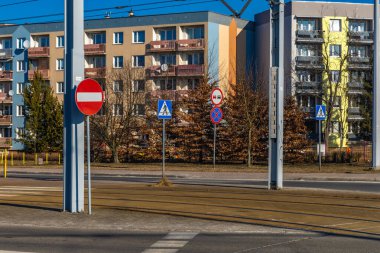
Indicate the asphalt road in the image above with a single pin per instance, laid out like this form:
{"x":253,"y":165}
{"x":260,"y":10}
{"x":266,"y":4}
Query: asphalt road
{"x":49,"y":240}
{"x":373,"y":187}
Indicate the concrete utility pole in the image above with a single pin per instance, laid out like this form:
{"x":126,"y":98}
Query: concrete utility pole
{"x":73,"y":200}
{"x":376,"y":93}
{"x":276,"y":95}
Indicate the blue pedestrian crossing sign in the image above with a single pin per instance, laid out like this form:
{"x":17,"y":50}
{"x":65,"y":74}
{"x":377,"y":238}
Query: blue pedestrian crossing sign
{"x":164,"y":109}
{"x":320,"y":112}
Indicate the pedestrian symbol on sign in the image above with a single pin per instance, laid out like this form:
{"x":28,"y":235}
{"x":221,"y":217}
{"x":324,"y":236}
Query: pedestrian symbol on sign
{"x":164,"y":109}
{"x":320,"y":112}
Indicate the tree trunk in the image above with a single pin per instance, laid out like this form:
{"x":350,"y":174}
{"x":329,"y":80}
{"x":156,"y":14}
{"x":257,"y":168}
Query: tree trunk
{"x":249,"y":147}
{"x":326,"y":138}
{"x":115,"y":155}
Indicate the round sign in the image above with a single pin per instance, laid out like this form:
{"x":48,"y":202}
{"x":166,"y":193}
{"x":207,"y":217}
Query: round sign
{"x":216,"y":96}
{"x":89,"y":97}
{"x":216,"y":115}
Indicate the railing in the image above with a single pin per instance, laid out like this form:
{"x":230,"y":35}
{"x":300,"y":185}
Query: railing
{"x":161,"y":46}
{"x":192,"y":44}
{"x":6,"y":75}
{"x":169,"y":94}
{"x":5,"y":120}
{"x":360,"y":37}
{"x":155,"y":71}
{"x":95,"y":72}
{"x":309,"y":36}
{"x":5,"y":142}
{"x":355,"y":85}
{"x":44,"y":73}
{"x":190,"y":70}
{"x":94,"y":49}
{"x":356,"y":62}
{"x":309,"y":111}
{"x":353,"y":110}
{"x":308,"y":87}
{"x":38,"y":52}
{"x":6,"y":53}
{"x":5,"y":98}
{"x":310,"y":62}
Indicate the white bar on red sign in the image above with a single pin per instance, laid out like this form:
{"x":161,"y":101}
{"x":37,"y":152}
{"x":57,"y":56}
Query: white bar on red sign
{"x":89,"y":97}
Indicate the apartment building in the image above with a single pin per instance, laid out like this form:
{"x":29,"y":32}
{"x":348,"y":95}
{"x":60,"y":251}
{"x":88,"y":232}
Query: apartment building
{"x":189,"y":45}
{"x":329,"y":52}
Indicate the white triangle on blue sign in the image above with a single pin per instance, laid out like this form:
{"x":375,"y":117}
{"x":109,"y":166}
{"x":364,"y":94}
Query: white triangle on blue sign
{"x":321,"y":113}
{"x":164,"y":111}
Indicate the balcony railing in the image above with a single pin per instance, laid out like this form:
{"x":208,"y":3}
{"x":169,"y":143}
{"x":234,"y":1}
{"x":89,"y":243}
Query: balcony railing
{"x":94,"y":49}
{"x":310,"y":62}
{"x":309,"y":111}
{"x":95,"y":72}
{"x":360,"y":37}
{"x":6,"y":75}
{"x":189,"y":45}
{"x":355,"y":85}
{"x":312,"y":36}
{"x":308,"y":87}
{"x":5,"y":98}
{"x":169,"y":94}
{"x":36,"y":52}
{"x":155,"y":71}
{"x":5,"y":142}
{"x":44,"y":73}
{"x":5,"y":120}
{"x":161,"y":46}
{"x":190,"y":70}
{"x":353,"y":110}
{"x":356,"y":62}
{"x":5,"y":53}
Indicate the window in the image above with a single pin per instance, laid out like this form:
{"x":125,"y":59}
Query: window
{"x":5,"y":66}
{"x":358,"y":51}
{"x":117,"y":110}
{"x":20,"y":88}
{"x":335,"y":25}
{"x":353,"y":101}
{"x":335,"y":127}
{"x":306,"y":24}
{"x":138,"y":85}
{"x":167,"y":34}
{"x":138,"y":61}
{"x":138,"y":37}
{"x":337,"y":102}
{"x":168,"y":59}
{"x":335,"y":76}
{"x":20,"y":43}
{"x":194,"y":33}
{"x":43,"y":41}
{"x":60,"y":64}
{"x":192,"y":84}
{"x":307,"y":50}
{"x":20,"y":110}
{"x":6,"y":43}
{"x":357,"y":26}
{"x":353,"y":127}
{"x":20,"y":66}
{"x":60,"y":41}
{"x":20,"y":132}
{"x":335,"y":50}
{"x":118,"y":86}
{"x":166,"y":84}
{"x":118,"y":62}
{"x":99,"y":38}
{"x":139,"y":109}
{"x":118,"y":38}
{"x":196,"y":58}
{"x":60,"y":87}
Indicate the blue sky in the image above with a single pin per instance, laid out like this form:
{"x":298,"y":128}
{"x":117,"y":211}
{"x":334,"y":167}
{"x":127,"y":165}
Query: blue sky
{"x":25,"y":12}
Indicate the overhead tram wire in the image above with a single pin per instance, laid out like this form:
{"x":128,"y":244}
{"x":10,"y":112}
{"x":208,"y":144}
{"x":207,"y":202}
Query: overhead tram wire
{"x":86,"y":11}
{"x":17,"y":3}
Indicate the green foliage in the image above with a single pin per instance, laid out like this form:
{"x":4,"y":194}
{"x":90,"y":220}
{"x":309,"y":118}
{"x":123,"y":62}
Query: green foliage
{"x":43,"y":118}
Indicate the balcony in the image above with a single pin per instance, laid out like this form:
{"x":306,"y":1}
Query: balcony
{"x":5,"y":120}
{"x":94,"y":49}
{"x":95,"y":72}
{"x":312,"y":36}
{"x":6,"y":54}
{"x":169,"y":94}
{"x":364,"y":38}
{"x":190,"y":45}
{"x":44,"y":73}
{"x":310,"y":62}
{"x":38,"y":52}
{"x":308,"y":87}
{"x":155,"y":71}
{"x":6,"y":75}
{"x":5,"y":142}
{"x":356,"y":62}
{"x":190,"y":70}
{"x":161,"y":46}
{"x":5,"y":98}
{"x":354,"y":114}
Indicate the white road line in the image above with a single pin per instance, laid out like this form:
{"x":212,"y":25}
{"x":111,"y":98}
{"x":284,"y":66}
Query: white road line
{"x":169,"y":244}
{"x":7,"y":251}
{"x":159,"y":251}
{"x":180,"y":236}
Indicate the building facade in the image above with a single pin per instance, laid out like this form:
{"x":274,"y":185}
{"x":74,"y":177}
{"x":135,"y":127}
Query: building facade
{"x":328,"y":60}
{"x":189,"y":45}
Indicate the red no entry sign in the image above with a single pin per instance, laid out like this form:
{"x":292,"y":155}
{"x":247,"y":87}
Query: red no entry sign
{"x":89,"y":97}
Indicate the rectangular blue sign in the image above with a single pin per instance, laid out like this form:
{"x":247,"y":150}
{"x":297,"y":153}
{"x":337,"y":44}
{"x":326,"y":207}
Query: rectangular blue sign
{"x":164,"y":109}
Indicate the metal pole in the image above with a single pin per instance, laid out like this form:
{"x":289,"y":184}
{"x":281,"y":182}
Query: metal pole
{"x":163,"y":148}
{"x":88,"y":166}
{"x":319,"y":151}
{"x":73,"y":119}
{"x":376,"y":92}
{"x":214,"y":159}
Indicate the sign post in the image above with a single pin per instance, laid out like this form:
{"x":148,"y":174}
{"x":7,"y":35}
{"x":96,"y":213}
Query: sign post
{"x":164,"y":111}
{"x":89,"y":98}
{"x":320,"y":114}
{"x":216,"y":114}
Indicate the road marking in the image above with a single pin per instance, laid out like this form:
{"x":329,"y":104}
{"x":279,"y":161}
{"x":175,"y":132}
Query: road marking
{"x":169,"y":244}
{"x":7,"y":251}
{"x":180,"y":236}
{"x":159,"y":251}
